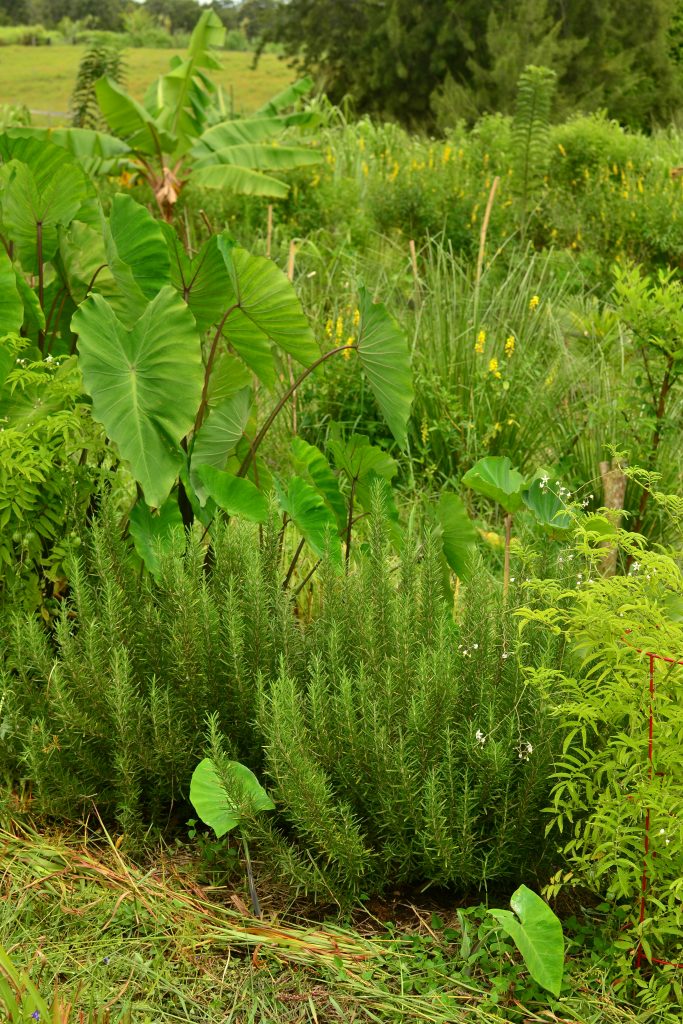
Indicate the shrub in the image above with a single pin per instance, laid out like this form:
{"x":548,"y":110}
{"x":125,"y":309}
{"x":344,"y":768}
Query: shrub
{"x":402,"y":744}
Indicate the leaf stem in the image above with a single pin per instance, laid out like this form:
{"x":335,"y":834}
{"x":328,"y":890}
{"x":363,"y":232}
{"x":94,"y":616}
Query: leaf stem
{"x":281,"y":403}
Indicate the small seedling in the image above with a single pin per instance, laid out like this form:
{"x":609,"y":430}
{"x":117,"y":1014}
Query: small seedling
{"x":224,"y":800}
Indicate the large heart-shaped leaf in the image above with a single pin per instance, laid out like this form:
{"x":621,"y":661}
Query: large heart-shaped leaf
{"x":537,"y":933}
{"x":156,"y":533}
{"x":311,"y":461}
{"x":384,"y":356}
{"x":41,"y":188}
{"x":223,"y":427}
{"x":219,"y":803}
{"x":137,"y":255}
{"x":457,"y":533}
{"x":495,"y":478}
{"x":234,"y":494}
{"x":311,"y":516}
{"x":264,"y":296}
{"x":358,"y":458}
{"x":11,"y":305}
{"x":145,"y":383}
{"x":549,"y":510}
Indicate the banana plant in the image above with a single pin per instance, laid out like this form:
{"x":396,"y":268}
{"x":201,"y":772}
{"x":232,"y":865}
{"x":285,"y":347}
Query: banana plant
{"x":182,"y":128}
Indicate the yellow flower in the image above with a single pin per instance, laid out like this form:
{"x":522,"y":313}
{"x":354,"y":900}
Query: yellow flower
{"x":315,"y":180}
{"x":446,"y":154}
{"x":509,"y":345}
{"x":364,"y":168}
{"x":393,"y":175}
{"x":350,"y":342}
{"x":329,"y":326}
{"x":339,"y":328}
{"x":533,"y":302}
{"x":424,"y":431}
{"x":561,"y":148}
{"x":481,"y":341}
{"x":493,"y":368}
{"x":356,"y":317}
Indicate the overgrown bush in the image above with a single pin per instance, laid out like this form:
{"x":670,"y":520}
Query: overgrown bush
{"x":402,"y":741}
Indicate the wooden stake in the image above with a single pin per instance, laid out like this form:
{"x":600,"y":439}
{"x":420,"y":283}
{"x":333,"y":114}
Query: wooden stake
{"x":482,"y":242}
{"x":413,"y":261}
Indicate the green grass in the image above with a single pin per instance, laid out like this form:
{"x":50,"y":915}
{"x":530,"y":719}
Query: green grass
{"x":42,"y":77}
{"x":148,"y":946}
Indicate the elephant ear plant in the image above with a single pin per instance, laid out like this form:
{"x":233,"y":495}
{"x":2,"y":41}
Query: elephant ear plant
{"x":496,"y":478}
{"x":226,"y":794}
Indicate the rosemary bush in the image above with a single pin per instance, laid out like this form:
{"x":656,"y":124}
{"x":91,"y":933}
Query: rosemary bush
{"x":399,"y":736}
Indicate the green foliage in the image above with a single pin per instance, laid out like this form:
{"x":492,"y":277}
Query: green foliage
{"x":97,"y":61}
{"x":537,"y":933}
{"x":430,"y":754}
{"x":606,"y":792}
{"x":464,"y":58}
{"x":530,"y":133}
{"x":219,"y":799}
{"x":51,"y":459}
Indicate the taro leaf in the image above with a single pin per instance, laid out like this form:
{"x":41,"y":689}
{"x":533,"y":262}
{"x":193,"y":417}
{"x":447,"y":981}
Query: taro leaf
{"x":33,"y":311}
{"x":39,"y":186}
{"x":234,"y":494}
{"x":311,"y":461}
{"x":384,"y":356}
{"x":156,"y":533}
{"x":203,"y":282}
{"x":550,"y":511}
{"x":220,"y":432}
{"x":219,"y":807}
{"x":129,"y":120}
{"x":311,"y":516}
{"x":457,"y":532}
{"x":357,"y":457}
{"x":537,"y":933}
{"x":145,"y":383}
{"x":495,"y":478}
{"x":7,"y":360}
{"x":228,"y":376}
{"x":11,"y":305}
{"x":268,"y":300}
{"x":137,"y":255}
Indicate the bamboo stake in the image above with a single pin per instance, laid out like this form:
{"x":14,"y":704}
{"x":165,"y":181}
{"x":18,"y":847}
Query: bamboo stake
{"x":482,"y":242}
{"x":413,"y":262}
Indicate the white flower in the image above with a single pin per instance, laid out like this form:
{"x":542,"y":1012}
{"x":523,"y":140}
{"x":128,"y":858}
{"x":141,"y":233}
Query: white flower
{"x":635,"y":567}
{"x":475,"y":647}
{"x":480,"y":737}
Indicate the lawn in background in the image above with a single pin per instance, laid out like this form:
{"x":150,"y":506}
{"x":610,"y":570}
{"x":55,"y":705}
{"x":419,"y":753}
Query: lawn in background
{"x":42,"y":77}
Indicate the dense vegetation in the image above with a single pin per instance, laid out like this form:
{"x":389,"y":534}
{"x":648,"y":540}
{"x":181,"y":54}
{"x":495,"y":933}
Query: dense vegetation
{"x":340,"y":514}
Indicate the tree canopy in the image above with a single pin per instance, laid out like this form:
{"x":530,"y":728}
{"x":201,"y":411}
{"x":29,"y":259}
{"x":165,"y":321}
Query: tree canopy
{"x":409,"y":59}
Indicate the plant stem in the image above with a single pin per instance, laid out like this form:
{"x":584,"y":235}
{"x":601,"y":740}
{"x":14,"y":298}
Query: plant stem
{"x":246,"y":462}
{"x":209,"y":366}
{"x":256,"y":906}
{"x":292,"y":564}
{"x":506,"y":564}
{"x":41,"y":277}
{"x":349,"y":523}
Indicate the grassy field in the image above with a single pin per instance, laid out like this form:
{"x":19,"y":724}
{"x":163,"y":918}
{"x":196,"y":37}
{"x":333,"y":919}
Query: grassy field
{"x":42,"y":78}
